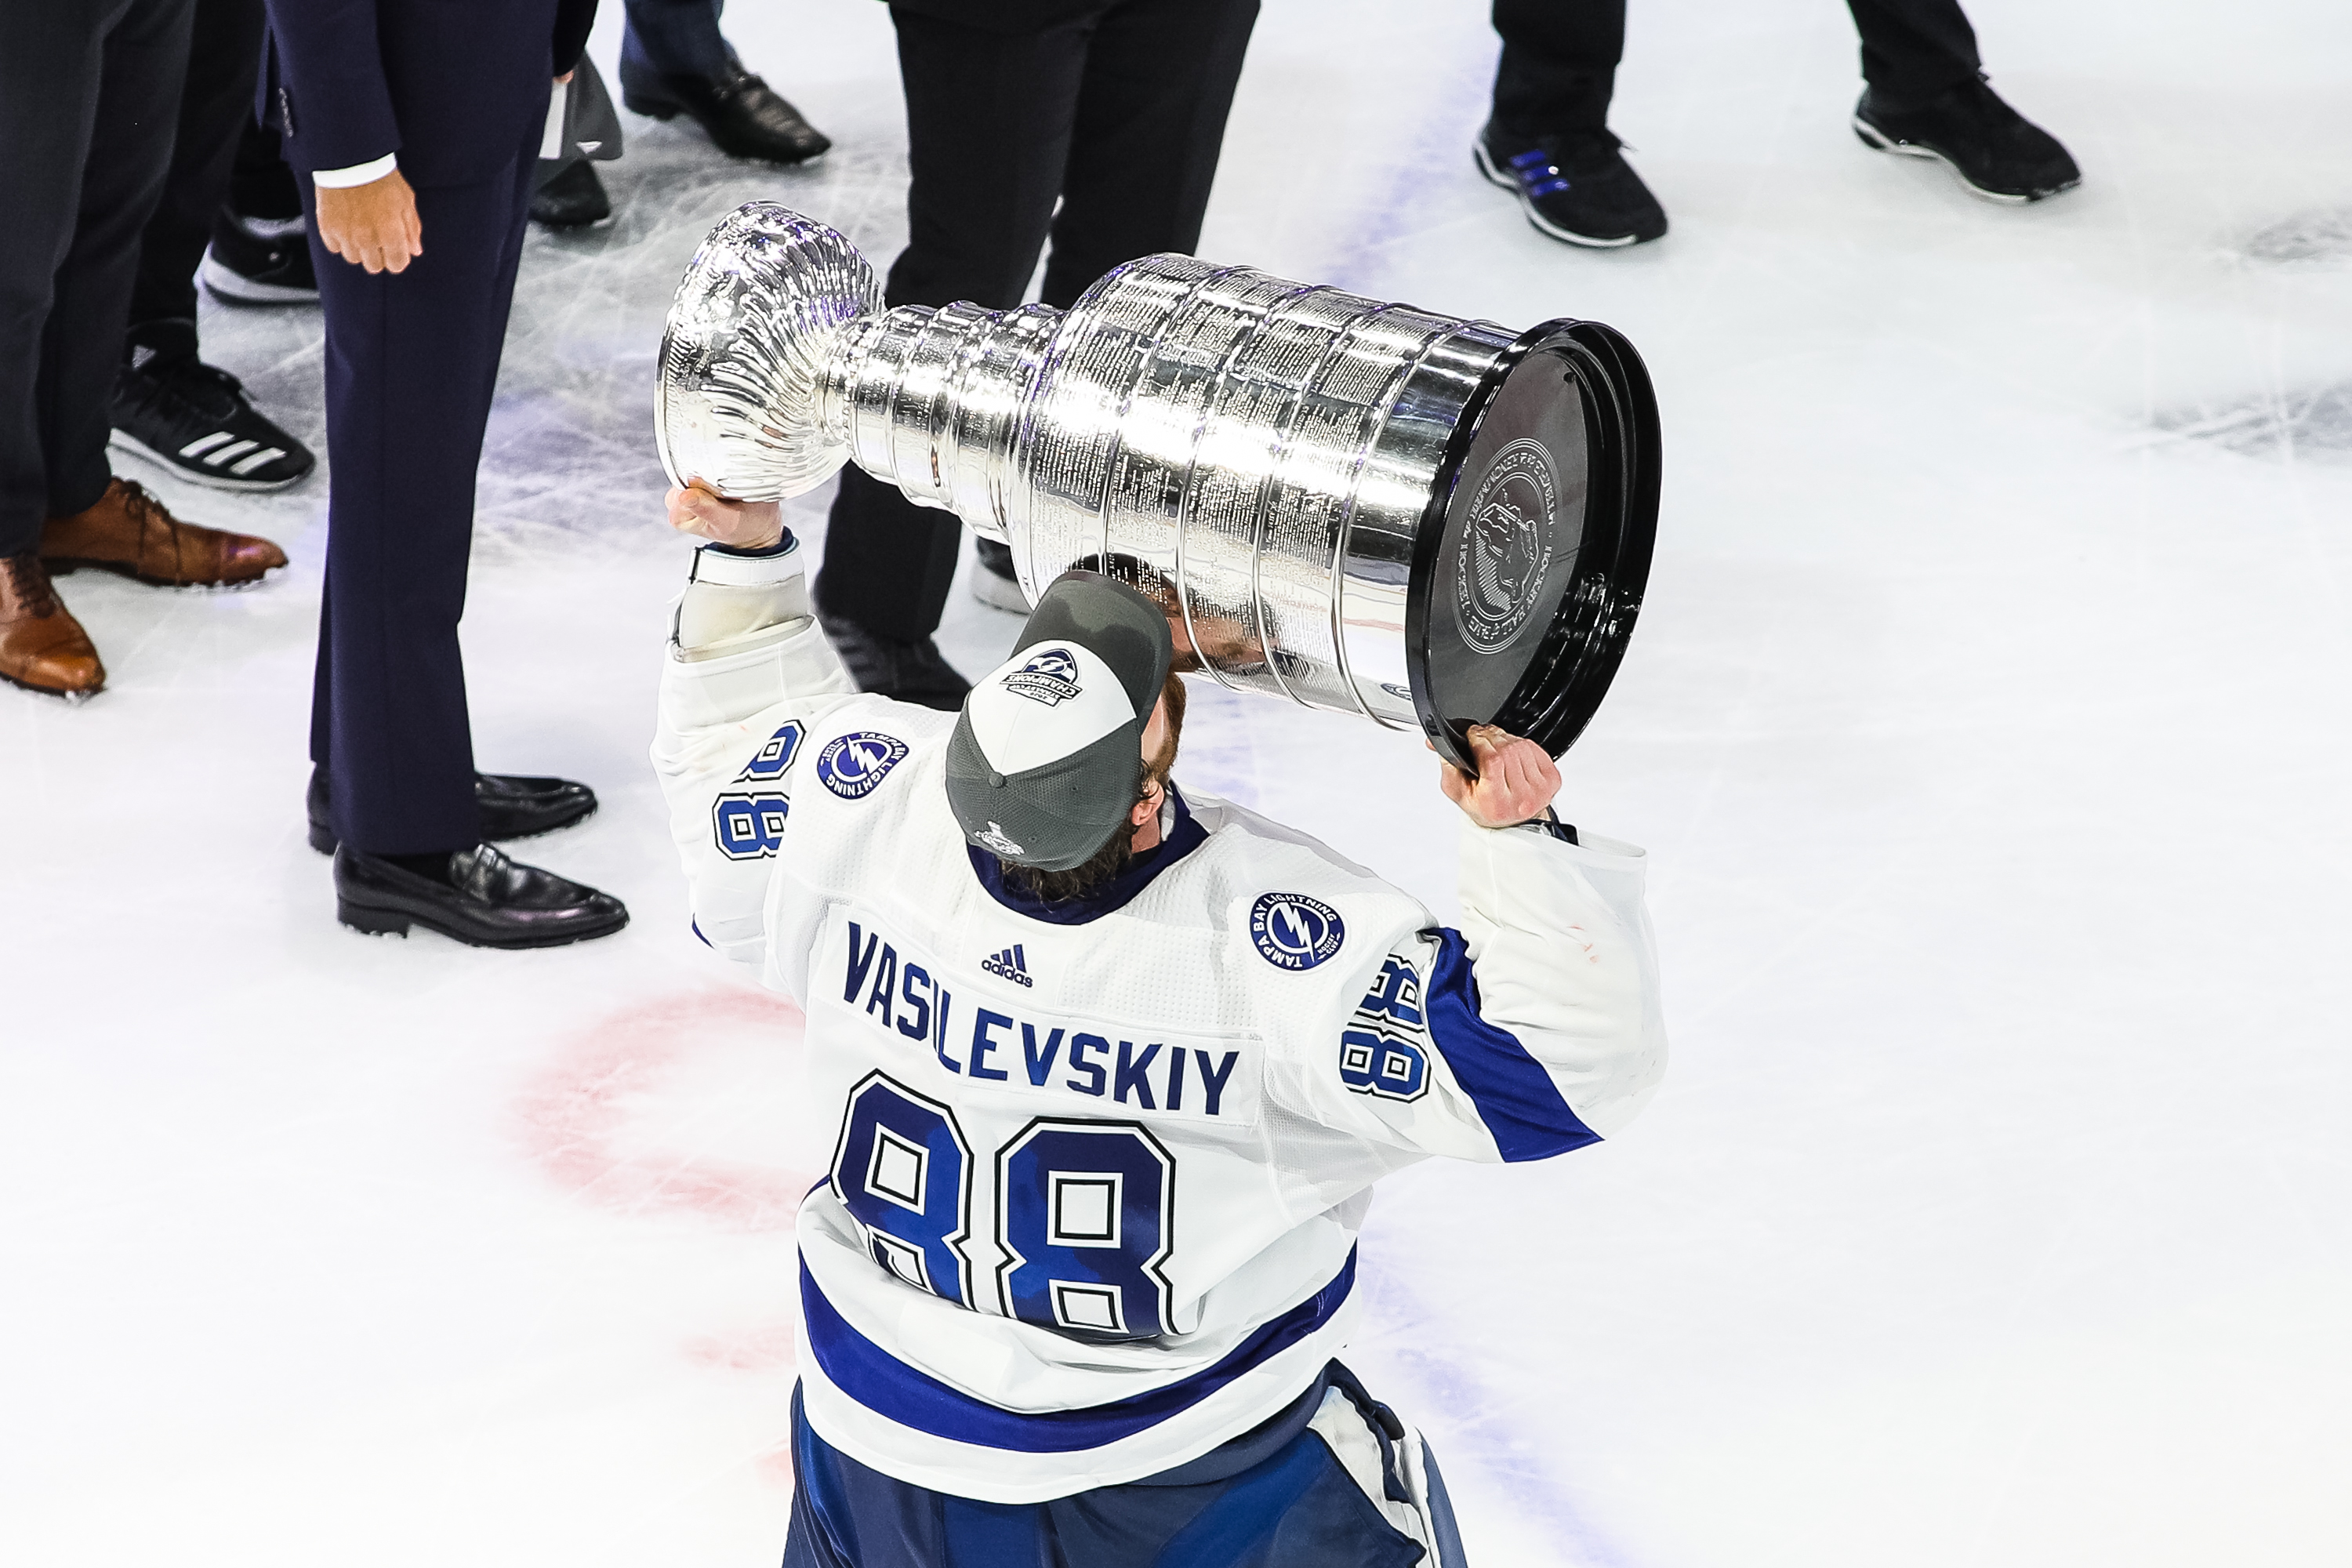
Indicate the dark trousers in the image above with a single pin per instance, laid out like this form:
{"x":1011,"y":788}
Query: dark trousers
{"x":412,"y":361}
{"x":673,"y":35}
{"x":90,"y":94}
{"x":224,"y":57}
{"x":1560,"y":58}
{"x":260,"y":185}
{"x":1117,"y":115}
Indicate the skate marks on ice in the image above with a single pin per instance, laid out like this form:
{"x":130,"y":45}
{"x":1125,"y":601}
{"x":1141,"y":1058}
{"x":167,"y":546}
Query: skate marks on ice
{"x":2284,"y":426}
{"x":2280,"y":422}
{"x":677,"y":1108}
{"x":2322,"y":237}
{"x":570,"y":444}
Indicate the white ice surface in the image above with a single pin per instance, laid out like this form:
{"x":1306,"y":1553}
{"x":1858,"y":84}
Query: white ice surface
{"x":1987,"y":725}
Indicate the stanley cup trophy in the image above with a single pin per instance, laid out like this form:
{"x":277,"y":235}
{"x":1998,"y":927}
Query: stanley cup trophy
{"x":1431,"y":522}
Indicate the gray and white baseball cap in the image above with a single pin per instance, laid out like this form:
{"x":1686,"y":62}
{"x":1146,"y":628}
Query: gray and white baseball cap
{"x":1047,"y":753}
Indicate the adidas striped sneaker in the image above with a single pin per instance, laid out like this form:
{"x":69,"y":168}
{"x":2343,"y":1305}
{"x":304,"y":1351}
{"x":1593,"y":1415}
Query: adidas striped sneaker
{"x":190,"y":419}
{"x":1575,"y":188}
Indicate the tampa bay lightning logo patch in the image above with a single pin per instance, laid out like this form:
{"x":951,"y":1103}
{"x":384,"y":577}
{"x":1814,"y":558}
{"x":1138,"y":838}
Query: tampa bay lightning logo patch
{"x":854,"y":764}
{"x":1050,"y":676}
{"x":1294,"y":931}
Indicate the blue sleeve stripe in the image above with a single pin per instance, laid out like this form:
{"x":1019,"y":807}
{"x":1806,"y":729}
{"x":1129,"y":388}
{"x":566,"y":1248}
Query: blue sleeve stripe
{"x":1515,"y":1096}
{"x":890,"y":1388}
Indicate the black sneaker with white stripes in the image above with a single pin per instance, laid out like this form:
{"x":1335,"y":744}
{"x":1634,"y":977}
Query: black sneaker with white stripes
{"x":193,"y":420}
{"x":1575,"y":186}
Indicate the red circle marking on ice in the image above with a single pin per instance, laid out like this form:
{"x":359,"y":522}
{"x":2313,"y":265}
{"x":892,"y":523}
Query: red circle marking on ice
{"x":572,"y":1113}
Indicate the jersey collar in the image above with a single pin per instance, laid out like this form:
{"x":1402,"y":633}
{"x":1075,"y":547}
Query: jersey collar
{"x":1175,"y":843}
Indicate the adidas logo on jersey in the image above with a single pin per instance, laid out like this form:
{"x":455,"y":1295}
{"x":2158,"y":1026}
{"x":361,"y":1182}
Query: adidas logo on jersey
{"x":1010,"y":965}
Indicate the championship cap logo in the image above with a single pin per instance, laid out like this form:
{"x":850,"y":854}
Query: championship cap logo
{"x":1504,"y":554}
{"x":1294,"y":931}
{"x":1050,"y":676}
{"x":852,"y":765}
{"x":995,"y":839}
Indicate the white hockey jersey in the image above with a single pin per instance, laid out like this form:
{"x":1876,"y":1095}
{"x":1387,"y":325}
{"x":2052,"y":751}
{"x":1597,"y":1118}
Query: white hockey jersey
{"x":1099,"y":1171}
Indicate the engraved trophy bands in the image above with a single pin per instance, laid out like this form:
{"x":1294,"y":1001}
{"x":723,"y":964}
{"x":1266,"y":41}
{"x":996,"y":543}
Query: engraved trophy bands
{"x":1359,"y":505}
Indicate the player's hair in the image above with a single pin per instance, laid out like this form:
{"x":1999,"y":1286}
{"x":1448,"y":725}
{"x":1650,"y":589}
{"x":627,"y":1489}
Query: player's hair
{"x":1099,"y":869}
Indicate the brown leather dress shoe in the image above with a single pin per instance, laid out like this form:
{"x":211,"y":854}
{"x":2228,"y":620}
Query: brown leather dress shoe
{"x":42,"y":646}
{"x":129,"y":531}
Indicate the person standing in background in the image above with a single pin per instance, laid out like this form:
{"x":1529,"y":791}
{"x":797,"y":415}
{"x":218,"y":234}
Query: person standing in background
{"x":565,"y":192}
{"x":90,"y":95}
{"x":189,"y":418}
{"x":416,"y":126}
{"x":1113,"y":109}
{"x":1549,"y":140}
{"x":674,"y":61}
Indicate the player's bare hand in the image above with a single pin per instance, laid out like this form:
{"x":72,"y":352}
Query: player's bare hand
{"x":373,"y":226}
{"x":738,"y":524}
{"x":1517,"y":779}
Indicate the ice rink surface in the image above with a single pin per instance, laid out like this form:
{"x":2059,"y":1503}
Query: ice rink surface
{"x":1987,"y":726}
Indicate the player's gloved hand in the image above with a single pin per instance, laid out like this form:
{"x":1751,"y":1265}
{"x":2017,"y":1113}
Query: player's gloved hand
{"x":1517,"y":779}
{"x":738,"y":524}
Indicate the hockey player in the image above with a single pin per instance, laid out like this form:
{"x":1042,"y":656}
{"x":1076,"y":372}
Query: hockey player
{"x":1112,"y":1070}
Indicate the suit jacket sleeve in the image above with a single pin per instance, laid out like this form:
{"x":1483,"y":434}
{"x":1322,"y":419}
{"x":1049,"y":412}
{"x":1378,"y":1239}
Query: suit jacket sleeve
{"x":334,"y":103}
{"x":574,"y":18}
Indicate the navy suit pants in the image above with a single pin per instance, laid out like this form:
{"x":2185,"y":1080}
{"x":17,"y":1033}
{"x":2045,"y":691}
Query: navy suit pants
{"x":412,"y":361}
{"x":674,"y":35}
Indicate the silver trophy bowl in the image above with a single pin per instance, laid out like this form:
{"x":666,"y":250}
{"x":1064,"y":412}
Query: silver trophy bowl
{"x":1359,"y":506}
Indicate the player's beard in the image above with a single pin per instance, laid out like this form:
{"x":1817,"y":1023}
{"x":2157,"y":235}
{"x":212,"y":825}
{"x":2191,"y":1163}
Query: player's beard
{"x":1101,"y":869}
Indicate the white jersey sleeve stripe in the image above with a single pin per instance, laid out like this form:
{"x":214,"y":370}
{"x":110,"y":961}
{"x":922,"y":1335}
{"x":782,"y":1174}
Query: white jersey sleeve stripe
{"x":890,"y":1388}
{"x":1515,"y":1097}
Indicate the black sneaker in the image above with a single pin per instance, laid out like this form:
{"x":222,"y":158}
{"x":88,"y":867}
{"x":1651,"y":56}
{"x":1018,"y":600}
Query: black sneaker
{"x":1996,"y":152}
{"x":1575,"y":186}
{"x":260,"y":261}
{"x":191,"y":419}
{"x":910,"y":671}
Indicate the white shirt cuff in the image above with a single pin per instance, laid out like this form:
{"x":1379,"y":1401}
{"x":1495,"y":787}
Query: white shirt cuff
{"x":357,"y":175}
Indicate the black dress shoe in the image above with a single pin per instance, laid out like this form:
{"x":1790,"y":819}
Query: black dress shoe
{"x":573,"y":198}
{"x":910,"y":671}
{"x":512,"y":806}
{"x":476,"y":896}
{"x":744,"y":115}
{"x":1996,"y":152}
